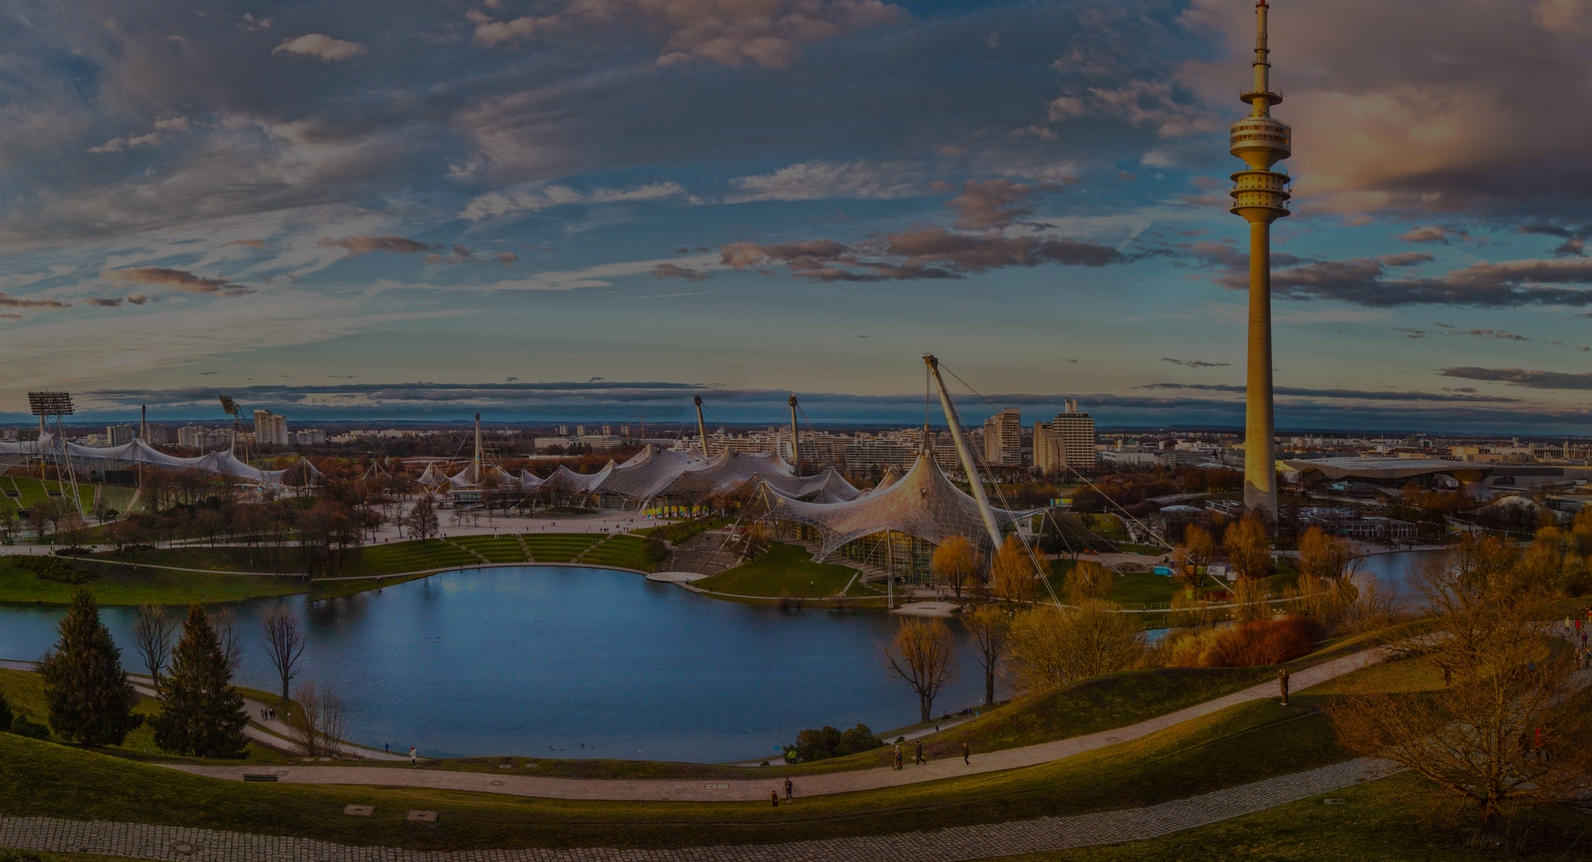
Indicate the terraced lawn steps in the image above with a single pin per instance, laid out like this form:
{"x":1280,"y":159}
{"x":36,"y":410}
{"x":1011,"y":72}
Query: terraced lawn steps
{"x":146,"y":841}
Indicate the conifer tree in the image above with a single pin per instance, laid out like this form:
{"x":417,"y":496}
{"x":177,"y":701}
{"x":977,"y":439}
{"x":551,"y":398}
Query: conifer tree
{"x":201,"y":713}
{"x":91,"y":702}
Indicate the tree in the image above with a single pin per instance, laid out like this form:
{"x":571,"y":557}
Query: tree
{"x":320,"y":721}
{"x":284,"y":644}
{"x":1198,"y":546}
{"x":1323,"y":556}
{"x":1011,"y":575}
{"x":922,"y":656}
{"x":1507,"y":691}
{"x":90,"y":699}
{"x":201,"y":713}
{"x":422,"y":519}
{"x":1248,"y":549}
{"x":990,"y":626}
{"x":1087,"y":580}
{"x":223,"y":622}
{"x":1053,"y":647}
{"x":5,"y":714}
{"x":955,"y":563}
{"x":153,"y":630}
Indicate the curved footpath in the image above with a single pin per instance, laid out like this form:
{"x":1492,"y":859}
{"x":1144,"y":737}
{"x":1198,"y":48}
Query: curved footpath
{"x":756,"y":789}
{"x":984,"y":841}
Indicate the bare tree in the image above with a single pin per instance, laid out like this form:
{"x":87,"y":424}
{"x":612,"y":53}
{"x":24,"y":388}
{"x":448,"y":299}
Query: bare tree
{"x":153,"y":632}
{"x":1505,"y":728}
{"x":991,"y":627}
{"x":321,"y":720}
{"x":226,"y":633}
{"x":922,"y":656}
{"x":284,"y":644}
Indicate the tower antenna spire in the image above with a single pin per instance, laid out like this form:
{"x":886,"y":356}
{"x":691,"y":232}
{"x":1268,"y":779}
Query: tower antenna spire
{"x":1260,"y":197}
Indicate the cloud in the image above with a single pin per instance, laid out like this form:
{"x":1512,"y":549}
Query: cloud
{"x":541,"y":196}
{"x":1344,"y":394}
{"x":1411,"y":333}
{"x":178,"y":279}
{"x":506,"y":257}
{"x":1168,"y":109}
{"x":767,"y":34}
{"x":251,"y":243}
{"x":1433,"y":233}
{"x":356,"y":245}
{"x":254,"y":24}
{"x":105,"y":301}
{"x":1372,"y":282}
{"x":7,"y":301}
{"x":1523,"y":377}
{"x":1195,"y":363}
{"x":991,"y":204}
{"x":458,"y":254}
{"x":978,"y":253}
{"x":669,"y":270}
{"x":1496,"y":333}
{"x":858,"y":180}
{"x":320,"y":46}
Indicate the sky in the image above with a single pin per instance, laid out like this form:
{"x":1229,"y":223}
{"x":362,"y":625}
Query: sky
{"x":558,"y":208}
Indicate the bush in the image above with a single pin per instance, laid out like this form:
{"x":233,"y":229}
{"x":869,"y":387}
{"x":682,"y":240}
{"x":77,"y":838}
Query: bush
{"x":55,"y":569}
{"x":1251,"y":644}
{"x":33,"y":730}
{"x":827,"y":742}
{"x":5,"y":713}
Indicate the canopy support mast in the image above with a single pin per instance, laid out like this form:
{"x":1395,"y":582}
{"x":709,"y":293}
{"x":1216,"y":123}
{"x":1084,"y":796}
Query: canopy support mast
{"x":964,"y":453}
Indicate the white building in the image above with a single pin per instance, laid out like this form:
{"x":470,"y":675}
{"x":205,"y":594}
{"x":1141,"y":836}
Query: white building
{"x":1065,"y":441}
{"x":310,"y":436}
{"x":1003,"y":439}
{"x":270,"y":429}
{"x":116,"y":435}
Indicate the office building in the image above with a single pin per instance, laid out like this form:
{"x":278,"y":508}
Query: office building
{"x":270,"y":429}
{"x":116,"y":435}
{"x":1067,"y":441}
{"x":1003,"y":439}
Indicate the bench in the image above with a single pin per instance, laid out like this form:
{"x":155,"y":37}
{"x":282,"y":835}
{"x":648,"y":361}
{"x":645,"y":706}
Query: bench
{"x":258,"y":776}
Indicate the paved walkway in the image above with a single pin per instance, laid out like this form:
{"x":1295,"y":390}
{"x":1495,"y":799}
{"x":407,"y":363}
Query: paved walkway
{"x":983,"y":841}
{"x":755,"y":789}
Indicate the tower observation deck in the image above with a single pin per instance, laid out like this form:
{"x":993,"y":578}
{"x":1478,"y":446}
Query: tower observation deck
{"x":1260,"y":196}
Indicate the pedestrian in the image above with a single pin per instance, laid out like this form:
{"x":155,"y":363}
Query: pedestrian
{"x":1282,"y":682}
{"x":385,"y":749}
{"x":413,"y":761}
{"x":898,"y":755}
{"x":773,"y":798}
{"x":788,"y":788}
{"x":967,"y":753}
{"x":918,"y":759}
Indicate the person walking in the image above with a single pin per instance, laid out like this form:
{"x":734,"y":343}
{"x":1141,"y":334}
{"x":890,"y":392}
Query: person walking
{"x":788,"y":788}
{"x":967,"y":753}
{"x":413,"y":760}
{"x":1282,"y":683}
{"x":773,"y":798}
{"x":898,"y":755}
{"x":918,"y":755}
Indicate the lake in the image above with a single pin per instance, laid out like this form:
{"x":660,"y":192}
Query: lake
{"x":552,"y":661}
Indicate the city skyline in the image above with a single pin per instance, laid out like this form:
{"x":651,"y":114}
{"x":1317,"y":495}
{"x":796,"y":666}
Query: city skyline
{"x":331,"y":206}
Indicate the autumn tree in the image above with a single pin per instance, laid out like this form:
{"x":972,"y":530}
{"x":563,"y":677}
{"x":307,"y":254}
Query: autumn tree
{"x":1051,"y":647}
{"x":921,"y":655}
{"x":284,"y":645}
{"x":955,"y":563}
{"x":1323,"y":556}
{"x":1506,"y":728}
{"x":90,"y":700}
{"x":200,"y":712}
{"x":1087,"y":580}
{"x":1247,"y":547}
{"x":153,"y":630}
{"x":1198,"y":547}
{"x":422,"y":519}
{"x":1011,"y":573}
{"x":990,"y":626}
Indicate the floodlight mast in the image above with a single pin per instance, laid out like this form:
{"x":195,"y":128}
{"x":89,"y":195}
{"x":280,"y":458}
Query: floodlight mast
{"x":57,"y":404}
{"x":963,"y":452}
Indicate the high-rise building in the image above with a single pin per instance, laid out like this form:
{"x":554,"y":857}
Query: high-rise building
{"x":270,"y":429}
{"x":1260,"y":196}
{"x":116,"y":435}
{"x":1065,"y":441}
{"x":200,"y":437}
{"x":1003,"y":439}
{"x":161,"y":434}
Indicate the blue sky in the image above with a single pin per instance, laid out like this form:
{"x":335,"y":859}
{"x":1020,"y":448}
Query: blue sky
{"x":330,"y":199}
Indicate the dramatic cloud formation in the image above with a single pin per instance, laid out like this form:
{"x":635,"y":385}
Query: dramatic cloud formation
{"x":990,"y":204}
{"x":178,"y":279}
{"x":320,"y":46}
{"x":365,"y":244}
{"x":1434,"y":233}
{"x":1523,"y":377}
{"x":22,"y":302}
{"x":977,"y":253}
{"x":1195,"y":363}
{"x":1370,"y":282}
{"x":824,"y":180}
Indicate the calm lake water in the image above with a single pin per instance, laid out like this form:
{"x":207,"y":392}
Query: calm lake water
{"x":1398,"y":574}
{"x":571,"y":662}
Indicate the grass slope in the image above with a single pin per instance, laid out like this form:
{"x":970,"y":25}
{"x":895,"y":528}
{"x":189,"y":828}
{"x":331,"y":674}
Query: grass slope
{"x":785,"y":570}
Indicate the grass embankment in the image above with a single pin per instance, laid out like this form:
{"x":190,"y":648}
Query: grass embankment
{"x":679,"y":532}
{"x":122,"y":585}
{"x":785,"y":570}
{"x":24,"y":691}
{"x":25,"y":492}
{"x":1392,"y":820}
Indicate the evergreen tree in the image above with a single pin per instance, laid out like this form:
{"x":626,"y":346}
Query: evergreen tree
{"x":201,"y":713}
{"x":90,"y":699}
{"x":5,"y":714}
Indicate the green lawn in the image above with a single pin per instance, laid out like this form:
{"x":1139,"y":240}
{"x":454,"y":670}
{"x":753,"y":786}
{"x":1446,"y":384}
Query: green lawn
{"x":1393,"y":820}
{"x":1139,"y":589}
{"x":120,"y":585}
{"x":33,"y":490}
{"x":679,"y":532}
{"x":785,"y":570}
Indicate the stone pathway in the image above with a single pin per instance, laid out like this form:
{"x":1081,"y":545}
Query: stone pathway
{"x":756,"y":789}
{"x":984,"y":841}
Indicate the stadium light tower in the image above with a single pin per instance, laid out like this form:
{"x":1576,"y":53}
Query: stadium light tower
{"x":1260,"y":196}
{"x":56,"y":404}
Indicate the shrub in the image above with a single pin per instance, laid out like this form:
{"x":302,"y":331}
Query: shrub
{"x":5,"y":713}
{"x":33,"y":730}
{"x":826,"y":742}
{"x":1251,"y":644}
{"x":55,"y":569}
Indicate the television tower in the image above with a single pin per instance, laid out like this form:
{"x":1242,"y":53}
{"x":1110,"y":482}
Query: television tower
{"x":1260,"y":195}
